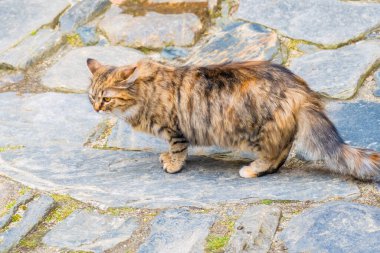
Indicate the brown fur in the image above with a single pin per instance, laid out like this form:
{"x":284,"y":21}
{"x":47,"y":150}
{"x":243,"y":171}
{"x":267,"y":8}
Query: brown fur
{"x":251,"y":106}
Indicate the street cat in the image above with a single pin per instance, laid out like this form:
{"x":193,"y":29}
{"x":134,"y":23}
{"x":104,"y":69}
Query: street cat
{"x":252,"y":106}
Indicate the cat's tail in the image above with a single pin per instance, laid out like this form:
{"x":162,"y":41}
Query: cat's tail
{"x":318,"y":138}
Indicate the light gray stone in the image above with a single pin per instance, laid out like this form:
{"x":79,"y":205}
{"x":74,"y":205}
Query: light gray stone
{"x":176,"y":1}
{"x":237,"y":41}
{"x":22,"y":200}
{"x":81,"y":13}
{"x":358,"y":123}
{"x":327,"y":22}
{"x":171,"y":53}
{"x":254,"y":230}
{"x":88,"y":35}
{"x":19,"y":18}
{"x":337,"y":73}
{"x":71,"y":72}
{"x":153,"y":30}
{"x":32,"y":49}
{"x":178,"y":231}
{"x":334,"y":227}
{"x":36,"y":211}
{"x":376,"y":92}
{"x":46,"y":119}
{"x":90,"y":231}
{"x":9,"y":192}
{"x":13,"y":77}
{"x":118,"y":178}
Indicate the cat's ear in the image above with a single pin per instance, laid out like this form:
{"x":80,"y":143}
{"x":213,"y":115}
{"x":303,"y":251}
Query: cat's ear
{"x":129,"y":74}
{"x":93,"y":65}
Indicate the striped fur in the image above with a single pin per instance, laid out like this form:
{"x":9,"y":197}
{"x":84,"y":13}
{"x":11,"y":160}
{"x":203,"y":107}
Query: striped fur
{"x":251,"y":106}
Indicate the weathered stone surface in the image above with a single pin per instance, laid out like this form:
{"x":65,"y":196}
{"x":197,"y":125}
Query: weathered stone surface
{"x":153,"y":30}
{"x":237,"y":41}
{"x":88,"y":35}
{"x":178,"y":231}
{"x":32,"y":49}
{"x":118,"y":178}
{"x":90,"y":231}
{"x":376,"y":92}
{"x":255,"y":229}
{"x":174,"y":53}
{"x":37,"y":209}
{"x":358,"y":123}
{"x":176,"y":1}
{"x":9,"y":192}
{"x":337,"y":73}
{"x":46,"y":119}
{"x":19,"y":18}
{"x":334,"y":227}
{"x":11,"y":77}
{"x":22,"y":200}
{"x":328,"y":22}
{"x":71,"y":72}
{"x":81,"y":13}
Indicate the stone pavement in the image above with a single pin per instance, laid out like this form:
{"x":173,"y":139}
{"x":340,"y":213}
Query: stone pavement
{"x":72,"y":180}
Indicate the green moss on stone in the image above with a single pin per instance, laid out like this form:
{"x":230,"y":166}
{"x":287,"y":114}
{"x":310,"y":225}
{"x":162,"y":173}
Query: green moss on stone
{"x":16,"y":218}
{"x":74,"y":40}
{"x":216,"y":243}
{"x":7,"y":148}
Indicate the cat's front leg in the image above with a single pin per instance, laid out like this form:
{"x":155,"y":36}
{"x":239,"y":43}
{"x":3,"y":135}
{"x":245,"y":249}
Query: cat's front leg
{"x":174,"y":160}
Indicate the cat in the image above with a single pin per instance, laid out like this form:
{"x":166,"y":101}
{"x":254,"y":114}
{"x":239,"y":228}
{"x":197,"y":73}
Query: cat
{"x":251,"y":106}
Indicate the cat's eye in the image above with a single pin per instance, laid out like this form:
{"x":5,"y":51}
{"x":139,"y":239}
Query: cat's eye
{"x":106,"y":99}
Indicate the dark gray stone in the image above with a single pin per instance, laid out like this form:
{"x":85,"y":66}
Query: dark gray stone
{"x":178,"y":231}
{"x":154,"y":30}
{"x":358,"y":123}
{"x":171,"y":53}
{"x":71,"y":72}
{"x":81,"y":13}
{"x":334,"y":227}
{"x":376,"y":92}
{"x":237,"y":41}
{"x":37,"y":46}
{"x":7,"y":218}
{"x":88,"y":35}
{"x":338,"y":73}
{"x":36,"y":211}
{"x":327,"y":22}
{"x":46,"y":119}
{"x":255,"y":229}
{"x":90,"y":231}
{"x":118,"y":178}
{"x":19,"y":18}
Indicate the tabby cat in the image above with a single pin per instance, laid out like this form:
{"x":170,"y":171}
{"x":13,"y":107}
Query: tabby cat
{"x":251,"y":106}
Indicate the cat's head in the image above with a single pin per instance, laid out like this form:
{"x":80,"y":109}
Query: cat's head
{"x":113,"y":89}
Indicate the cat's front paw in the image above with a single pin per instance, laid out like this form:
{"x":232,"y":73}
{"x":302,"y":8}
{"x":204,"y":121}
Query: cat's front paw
{"x":170,"y":165}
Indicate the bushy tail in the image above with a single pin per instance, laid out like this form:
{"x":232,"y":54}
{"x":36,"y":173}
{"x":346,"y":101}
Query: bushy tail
{"x":318,"y":138}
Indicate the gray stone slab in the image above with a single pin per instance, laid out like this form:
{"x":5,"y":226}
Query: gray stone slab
{"x":46,"y":119}
{"x":81,"y":13}
{"x":88,"y":35}
{"x":11,"y":77}
{"x":171,"y":53}
{"x":19,"y":18}
{"x":334,"y":227}
{"x":358,"y":123}
{"x":178,"y":231}
{"x":327,"y":22}
{"x":154,"y":30}
{"x":36,"y":211}
{"x":90,"y":231}
{"x":376,"y":92}
{"x":116,"y":178}
{"x":338,"y":73}
{"x":237,"y":41}
{"x":71,"y":72}
{"x":32,"y":49}
{"x":254,"y":230}
{"x":22,"y":200}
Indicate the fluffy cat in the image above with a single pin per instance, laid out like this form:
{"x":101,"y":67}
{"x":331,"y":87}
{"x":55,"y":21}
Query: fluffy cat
{"x":251,"y":106}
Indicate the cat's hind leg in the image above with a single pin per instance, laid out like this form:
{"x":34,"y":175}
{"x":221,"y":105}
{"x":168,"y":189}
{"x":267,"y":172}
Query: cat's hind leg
{"x":264,"y":165}
{"x":174,"y":160}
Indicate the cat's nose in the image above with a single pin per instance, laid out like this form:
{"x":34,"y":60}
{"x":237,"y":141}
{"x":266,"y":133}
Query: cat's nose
{"x":97,"y":107}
